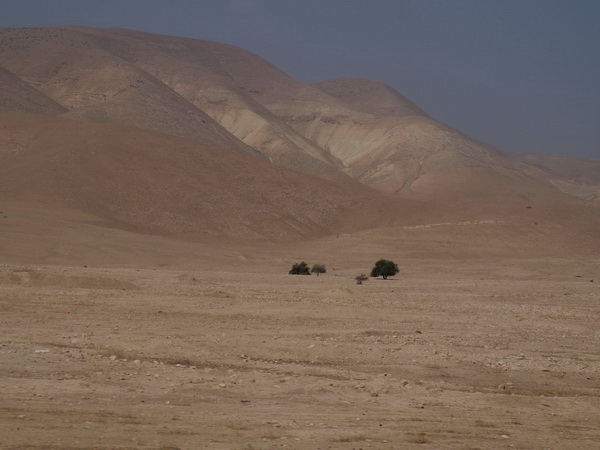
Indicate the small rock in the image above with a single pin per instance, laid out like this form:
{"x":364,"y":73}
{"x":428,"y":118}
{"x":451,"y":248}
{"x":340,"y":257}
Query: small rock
{"x":222,"y":385}
{"x":113,"y":357}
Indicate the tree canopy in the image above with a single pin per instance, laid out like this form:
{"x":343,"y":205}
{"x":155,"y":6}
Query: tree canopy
{"x":318,"y":269}
{"x":384,"y":269}
{"x":300,"y":268}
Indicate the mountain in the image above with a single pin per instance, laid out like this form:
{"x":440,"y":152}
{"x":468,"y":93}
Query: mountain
{"x":577,"y":176}
{"x":198,"y":139}
{"x":17,"y":95}
{"x":152,"y":182}
{"x":371,"y":97}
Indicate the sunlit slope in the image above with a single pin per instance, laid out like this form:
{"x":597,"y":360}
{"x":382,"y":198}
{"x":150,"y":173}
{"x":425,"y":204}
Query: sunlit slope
{"x":225,"y":96}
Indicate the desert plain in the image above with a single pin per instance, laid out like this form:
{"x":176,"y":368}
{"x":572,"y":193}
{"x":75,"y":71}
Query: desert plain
{"x":208,"y":347}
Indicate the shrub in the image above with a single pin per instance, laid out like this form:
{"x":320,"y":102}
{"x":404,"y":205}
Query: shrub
{"x":318,"y":269}
{"x":300,"y":268}
{"x":385,"y":269}
{"x":361,"y":278}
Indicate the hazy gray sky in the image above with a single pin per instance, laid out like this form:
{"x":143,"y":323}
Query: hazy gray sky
{"x":523,"y":75}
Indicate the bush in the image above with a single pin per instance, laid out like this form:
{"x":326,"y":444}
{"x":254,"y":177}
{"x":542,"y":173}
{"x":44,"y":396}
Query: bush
{"x":300,"y":268}
{"x":318,"y":269}
{"x":385,"y":269}
{"x":361,"y":278}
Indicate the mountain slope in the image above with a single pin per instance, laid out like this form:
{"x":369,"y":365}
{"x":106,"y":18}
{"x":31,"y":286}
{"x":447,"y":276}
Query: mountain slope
{"x":195,"y":138}
{"x":221,"y":95}
{"x":223,"y":81}
{"x":152,"y":182}
{"x":17,"y":95}
{"x":92,"y":84}
{"x":111,"y":75}
{"x":579,"y":177}
{"x":371,"y":97}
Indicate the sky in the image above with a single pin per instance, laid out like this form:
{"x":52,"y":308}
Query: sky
{"x":521,"y":75}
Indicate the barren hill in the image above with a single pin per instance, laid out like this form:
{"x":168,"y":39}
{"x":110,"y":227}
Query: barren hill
{"x":201,"y":139}
{"x":578,"y":176}
{"x":153,"y":182}
{"x":17,"y":95}
{"x":372,"y":97}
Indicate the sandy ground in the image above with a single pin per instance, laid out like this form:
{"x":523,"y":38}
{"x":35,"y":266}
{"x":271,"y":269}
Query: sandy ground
{"x":449,"y":354}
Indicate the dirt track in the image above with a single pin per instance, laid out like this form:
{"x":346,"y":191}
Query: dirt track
{"x":480,"y":354}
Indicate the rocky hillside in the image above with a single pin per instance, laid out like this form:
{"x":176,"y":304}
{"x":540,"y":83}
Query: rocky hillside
{"x":187,"y":136}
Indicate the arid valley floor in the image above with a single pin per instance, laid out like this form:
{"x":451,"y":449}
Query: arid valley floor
{"x":236,"y":353}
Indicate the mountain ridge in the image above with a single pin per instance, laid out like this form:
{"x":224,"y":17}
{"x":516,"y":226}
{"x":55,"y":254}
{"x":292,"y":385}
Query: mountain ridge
{"x":379,"y":159}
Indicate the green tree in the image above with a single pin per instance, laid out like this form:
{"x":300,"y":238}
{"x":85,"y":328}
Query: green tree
{"x":385,"y":269}
{"x":300,"y":268}
{"x":318,"y":269}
